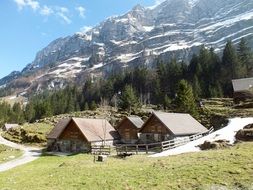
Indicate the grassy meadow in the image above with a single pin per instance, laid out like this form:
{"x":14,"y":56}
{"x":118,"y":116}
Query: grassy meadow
{"x":8,"y":153}
{"x":230,"y":168}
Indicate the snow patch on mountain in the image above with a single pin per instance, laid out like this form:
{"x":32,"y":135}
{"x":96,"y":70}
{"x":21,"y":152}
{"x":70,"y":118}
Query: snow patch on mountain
{"x":140,"y":36}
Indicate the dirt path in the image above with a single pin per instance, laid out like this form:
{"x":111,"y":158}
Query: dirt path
{"x":30,"y":154}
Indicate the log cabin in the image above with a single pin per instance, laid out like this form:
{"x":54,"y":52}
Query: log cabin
{"x":162,"y":126}
{"x":128,"y":129}
{"x":243,"y":89}
{"x":79,"y":134}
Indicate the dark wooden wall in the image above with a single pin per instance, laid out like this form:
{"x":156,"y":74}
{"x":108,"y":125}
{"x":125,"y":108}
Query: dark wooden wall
{"x":127,"y":130}
{"x":153,"y":125}
{"x":72,"y":132}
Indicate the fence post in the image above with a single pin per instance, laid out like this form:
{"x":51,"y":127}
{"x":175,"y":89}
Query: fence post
{"x":137,"y":149}
{"x":146,"y":149}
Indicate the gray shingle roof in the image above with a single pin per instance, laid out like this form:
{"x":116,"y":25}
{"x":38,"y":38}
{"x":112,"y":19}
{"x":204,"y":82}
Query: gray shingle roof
{"x":93,"y":129}
{"x":58,"y":129}
{"x":137,"y":121}
{"x":10,"y":126}
{"x":180,"y":124}
{"x":242,"y":84}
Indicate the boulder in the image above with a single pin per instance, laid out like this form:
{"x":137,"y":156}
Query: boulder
{"x":219,"y":144}
{"x":245,"y":134}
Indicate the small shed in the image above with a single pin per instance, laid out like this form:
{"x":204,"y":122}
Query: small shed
{"x":79,"y":134}
{"x":7,"y":127}
{"x":162,"y":126}
{"x":128,"y":129}
{"x":243,"y":89}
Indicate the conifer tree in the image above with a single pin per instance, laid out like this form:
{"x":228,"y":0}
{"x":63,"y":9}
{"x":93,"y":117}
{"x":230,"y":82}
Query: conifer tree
{"x":167,"y":102}
{"x":185,"y":101}
{"x":128,"y":100}
{"x":29,"y":112}
{"x":196,"y":87}
{"x":93,"y":105}
{"x":245,"y":57}
{"x":230,"y":68}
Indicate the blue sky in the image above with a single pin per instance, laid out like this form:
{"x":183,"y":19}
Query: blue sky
{"x":29,"y":25}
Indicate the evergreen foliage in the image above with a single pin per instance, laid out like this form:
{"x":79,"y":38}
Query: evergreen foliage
{"x":207,"y":75}
{"x":128,"y":100}
{"x":185,"y":100}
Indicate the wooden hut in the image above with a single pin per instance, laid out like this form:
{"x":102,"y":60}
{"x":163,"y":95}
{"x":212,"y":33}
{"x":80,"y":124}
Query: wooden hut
{"x":243,"y":89}
{"x":7,"y":127}
{"x":79,"y":134}
{"x":128,"y":129}
{"x":162,"y":126}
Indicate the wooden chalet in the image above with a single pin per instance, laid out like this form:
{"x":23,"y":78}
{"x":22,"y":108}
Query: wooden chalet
{"x":243,"y":89}
{"x":128,"y":129}
{"x":7,"y":126}
{"x":162,"y":126}
{"x":79,"y":134}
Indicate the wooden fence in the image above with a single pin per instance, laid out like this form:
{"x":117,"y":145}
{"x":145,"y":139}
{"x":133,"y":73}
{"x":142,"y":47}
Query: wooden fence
{"x":137,"y":148}
{"x":101,"y":150}
{"x":159,"y":146}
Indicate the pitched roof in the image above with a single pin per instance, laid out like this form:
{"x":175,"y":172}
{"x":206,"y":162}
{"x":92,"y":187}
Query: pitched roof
{"x":92,"y":129}
{"x":242,"y":84}
{"x":9,"y":126}
{"x":136,"y":121}
{"x":58,"y":129}
{"x":179,"y":123}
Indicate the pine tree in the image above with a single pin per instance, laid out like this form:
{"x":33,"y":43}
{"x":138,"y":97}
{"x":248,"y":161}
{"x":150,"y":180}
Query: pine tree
{"x":93,"y":105}
{"x":86,"y":106}
{"x":231,"y":60}
{"x":167,"y":102}
{"x":196,"y":87}
{"x":185,"y":101}
{"x":18,"y":115}
{"x":128,"y":100}
{"x":230,"y":68}
{"x":29,"y":112}
{"x":246,"y":58}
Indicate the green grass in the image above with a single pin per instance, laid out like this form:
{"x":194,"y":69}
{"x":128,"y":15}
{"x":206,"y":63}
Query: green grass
{"x":33,"y":134}
{"x":8,"y":153}
{"x":231,"y":168}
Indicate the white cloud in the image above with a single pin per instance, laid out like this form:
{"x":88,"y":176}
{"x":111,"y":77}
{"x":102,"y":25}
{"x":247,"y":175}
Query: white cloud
{"x":33,"y":4}
{"x":46,"y":11}
{"x":62,"y":12}
{"x":27,"y":3}
{"x":64,"y":17}
{"x":81,"y":11}
{"x":20,"y":3}
{"x":85,"y":29}
{"x":157,"y":2}
{"x":63,"y":9}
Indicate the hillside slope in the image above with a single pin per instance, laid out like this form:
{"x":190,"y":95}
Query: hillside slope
{"x":220,"y":169}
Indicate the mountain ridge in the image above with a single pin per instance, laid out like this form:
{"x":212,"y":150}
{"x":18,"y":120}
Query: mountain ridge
{"x":174,"y":28}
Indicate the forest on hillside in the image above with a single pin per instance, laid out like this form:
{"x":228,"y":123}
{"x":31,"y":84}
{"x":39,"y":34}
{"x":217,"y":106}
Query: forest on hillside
{"x":170,"y":85}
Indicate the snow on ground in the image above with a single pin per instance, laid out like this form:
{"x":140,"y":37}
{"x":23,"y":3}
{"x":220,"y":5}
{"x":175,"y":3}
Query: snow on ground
{"x":148,"y":28}
{"x":97,"y":66}
{"x":69,"y":68}
{"x":124,"y":58}
{"x":226,"y":133}
{"x":12,"y":97}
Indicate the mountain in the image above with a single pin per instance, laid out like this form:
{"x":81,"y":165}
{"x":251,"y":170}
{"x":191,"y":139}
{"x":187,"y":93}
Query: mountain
{"x":174,"y":28}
